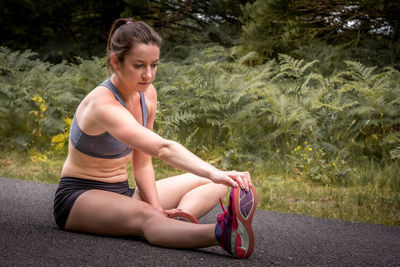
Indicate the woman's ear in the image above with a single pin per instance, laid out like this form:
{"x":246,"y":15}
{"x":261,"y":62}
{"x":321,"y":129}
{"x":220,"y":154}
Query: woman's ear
{"x":114,"y":62}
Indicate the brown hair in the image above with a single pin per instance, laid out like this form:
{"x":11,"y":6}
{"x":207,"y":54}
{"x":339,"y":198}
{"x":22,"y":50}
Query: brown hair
{"x":124,"y":34}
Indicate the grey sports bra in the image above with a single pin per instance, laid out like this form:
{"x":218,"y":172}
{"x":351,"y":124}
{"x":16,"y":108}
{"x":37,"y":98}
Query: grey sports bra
{"x":103,"y":145}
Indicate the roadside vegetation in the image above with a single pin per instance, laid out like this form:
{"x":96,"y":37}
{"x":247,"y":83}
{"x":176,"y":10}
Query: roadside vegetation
{"x":316,"y":143}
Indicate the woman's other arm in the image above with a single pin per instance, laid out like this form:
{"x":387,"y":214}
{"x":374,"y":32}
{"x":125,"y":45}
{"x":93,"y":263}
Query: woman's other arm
{"x":142,"y":162}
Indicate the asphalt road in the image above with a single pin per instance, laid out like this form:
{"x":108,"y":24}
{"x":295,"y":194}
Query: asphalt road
{"x":28,"y":236}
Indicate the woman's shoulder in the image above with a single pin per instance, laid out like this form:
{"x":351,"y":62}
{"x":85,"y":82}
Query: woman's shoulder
{"x":151,"y":98}
{"x":100,"y":94}
{"x":151,"y":92}
{"x":99,"y":97}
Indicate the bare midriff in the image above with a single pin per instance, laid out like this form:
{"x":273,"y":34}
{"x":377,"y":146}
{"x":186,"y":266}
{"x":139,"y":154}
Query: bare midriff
{"x":83,"y":166}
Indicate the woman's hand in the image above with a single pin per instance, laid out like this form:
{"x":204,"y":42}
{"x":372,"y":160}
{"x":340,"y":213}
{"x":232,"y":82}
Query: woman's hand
{"x":232,"y":178}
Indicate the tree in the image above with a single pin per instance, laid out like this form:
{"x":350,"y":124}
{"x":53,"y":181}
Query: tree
{"x":347,"y":20}
{"x":190,"y":20}
{"x":58,"y":29}
{"x":271,"y":27}
{"x":68,"y":28}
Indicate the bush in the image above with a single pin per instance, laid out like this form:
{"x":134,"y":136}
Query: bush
{"x":249,"y":113}
{"x":36,"y":97}
{"x":226,"y":109}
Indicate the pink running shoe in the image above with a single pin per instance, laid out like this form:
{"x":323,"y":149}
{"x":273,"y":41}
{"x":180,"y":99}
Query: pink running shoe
{"x":237,"y":236}
{"x":183,"y":216}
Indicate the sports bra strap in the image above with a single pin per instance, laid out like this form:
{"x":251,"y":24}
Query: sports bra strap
{"x":144,"y":109}
{"x":107,"y":83}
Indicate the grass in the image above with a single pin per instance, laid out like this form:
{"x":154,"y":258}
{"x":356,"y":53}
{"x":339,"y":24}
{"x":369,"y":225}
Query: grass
{"x":352,"y":203}
{"x":373,"y":196}
{"x":368,"y":193}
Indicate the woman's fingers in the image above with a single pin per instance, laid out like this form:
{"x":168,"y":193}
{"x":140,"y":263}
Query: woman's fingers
{"x":246,"y":179}
{"x":234,"y":179}
{"x":241,"y":182}
{"x":243,"y":178}
{"x":232,"y":182}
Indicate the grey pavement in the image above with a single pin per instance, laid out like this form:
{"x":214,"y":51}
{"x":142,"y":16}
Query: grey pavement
{"x":28,"y":236}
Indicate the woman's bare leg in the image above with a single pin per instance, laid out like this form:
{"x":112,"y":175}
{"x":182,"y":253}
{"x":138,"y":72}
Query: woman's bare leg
{"x":190,"y":193}
{"x":107,"y":213}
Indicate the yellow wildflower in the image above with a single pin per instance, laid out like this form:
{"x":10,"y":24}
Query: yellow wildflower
{"x":58,"y":138}
{"x":34,"y":112}
{"x":43,"y":107}
{"x":68,"y":122}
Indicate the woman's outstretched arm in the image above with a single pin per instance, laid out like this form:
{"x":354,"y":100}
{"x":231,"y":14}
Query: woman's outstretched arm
{"x":120,"y":123}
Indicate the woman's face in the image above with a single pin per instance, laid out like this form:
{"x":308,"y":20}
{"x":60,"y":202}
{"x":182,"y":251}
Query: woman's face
{"x":139,"y":67}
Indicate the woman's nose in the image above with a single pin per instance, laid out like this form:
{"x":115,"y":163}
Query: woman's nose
{"x":147,"y":73}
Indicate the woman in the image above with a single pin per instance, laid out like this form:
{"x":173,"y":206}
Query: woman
{"x":112,"y":126}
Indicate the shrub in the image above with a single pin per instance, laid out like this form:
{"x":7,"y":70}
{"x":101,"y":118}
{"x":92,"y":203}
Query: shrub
{"x":225,"y":109}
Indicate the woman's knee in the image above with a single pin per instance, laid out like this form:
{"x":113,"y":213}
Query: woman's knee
{"x":152,"y":225}
{"x":222,"y":190}
{"x":147,"y":213}
{"x":140,"y":215}
{"x":219,"y":189}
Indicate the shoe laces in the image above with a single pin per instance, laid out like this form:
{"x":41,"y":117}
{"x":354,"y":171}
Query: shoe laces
{"x":221,"y":216}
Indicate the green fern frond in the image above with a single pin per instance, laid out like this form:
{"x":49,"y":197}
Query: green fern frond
{"x":251,"y":59}
{"x":395,"y":153}
{"x":361,"y":72}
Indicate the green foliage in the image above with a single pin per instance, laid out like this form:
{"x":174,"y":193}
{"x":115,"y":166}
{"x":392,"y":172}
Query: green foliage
{"x":255,"y":113}
{"x":364,"y":31}
{"x":65,"y":29}
{"x":227,"y":108}
{"x":36,"y":97}
{"x":263,"y":26}
{"x":189,"y":22}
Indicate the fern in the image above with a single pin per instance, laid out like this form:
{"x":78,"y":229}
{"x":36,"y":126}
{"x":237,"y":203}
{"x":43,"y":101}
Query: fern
{"x":395,"y":153}
{"x":294,"y":69}
{"x":221,"y":106}
{"x":38,"y":96}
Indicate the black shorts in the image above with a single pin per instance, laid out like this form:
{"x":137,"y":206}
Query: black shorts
{"x":71,"y":188}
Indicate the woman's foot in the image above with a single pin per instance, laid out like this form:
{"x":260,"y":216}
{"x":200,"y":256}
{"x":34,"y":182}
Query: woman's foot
{"x":234,"y":230}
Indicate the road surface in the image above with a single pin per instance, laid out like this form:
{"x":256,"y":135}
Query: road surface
{"x":28,"y":236}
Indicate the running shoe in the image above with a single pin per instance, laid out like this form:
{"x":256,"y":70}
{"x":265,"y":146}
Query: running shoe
{"x":237,"y":236}
{"x":183,"y":216}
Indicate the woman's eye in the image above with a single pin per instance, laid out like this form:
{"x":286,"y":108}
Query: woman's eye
{"x":139,"y":66}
